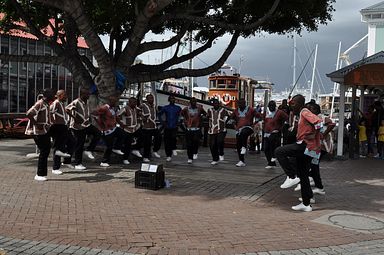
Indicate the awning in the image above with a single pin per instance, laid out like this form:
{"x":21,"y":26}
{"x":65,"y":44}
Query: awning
{"x":367,"y":72}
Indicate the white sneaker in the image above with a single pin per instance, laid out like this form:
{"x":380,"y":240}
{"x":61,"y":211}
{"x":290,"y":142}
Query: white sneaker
{"x":118,"y":152}
{"x":126,"y":162}
{"x":146,"y":160}
{"x":58,"y":172}
{"x":174,"y":153}
{"x":269,"y":167}
{"x":137,"y":153}
{"x":312,"y":200}
{"x":243,"y":150}
{"x":189,"y":161}
{"x":240,"y":164}
{"x":289,"y":182}
{"x":62,"y":154}
{"x":104,"y":164}
{"x":273,"y":159}
{"x":318,"y":191}
{"x":195,"y":156}
{"x":89,"y":154}
{"x":156,"y":155}
{"x":377,"y":155}
{"x":214,"y":163}
{"x":298,"y":187}
{"x":68,"y":165}
{"x":221,"y":158}
{"x":40,"y":178}
{"x":80,"y":167}
{"x":311,"y":181}
{"x":302,"y":207}
{"x":169,"y":159}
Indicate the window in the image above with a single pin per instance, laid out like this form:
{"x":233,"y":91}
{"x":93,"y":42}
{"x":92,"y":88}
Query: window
{"x":231,"y":84}
{"x":221,"y":83}
{"x":212,"y":84}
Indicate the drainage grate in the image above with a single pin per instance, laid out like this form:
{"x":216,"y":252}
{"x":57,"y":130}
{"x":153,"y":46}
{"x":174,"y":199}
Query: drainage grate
{"x":353,"y":221}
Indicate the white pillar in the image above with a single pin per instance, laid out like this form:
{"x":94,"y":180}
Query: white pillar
{"x":340,"y":131}
{"x":362,"y":98}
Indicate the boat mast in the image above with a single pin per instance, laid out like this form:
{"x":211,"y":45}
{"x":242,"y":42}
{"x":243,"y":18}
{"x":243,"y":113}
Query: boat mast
{"x":313,"y":73}
{"x":335,"y":85}
{"x":294,"y":61}
{"x":190,"y":64}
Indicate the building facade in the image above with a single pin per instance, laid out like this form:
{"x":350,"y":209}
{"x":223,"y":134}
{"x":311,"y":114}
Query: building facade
{"x":21,"y":82}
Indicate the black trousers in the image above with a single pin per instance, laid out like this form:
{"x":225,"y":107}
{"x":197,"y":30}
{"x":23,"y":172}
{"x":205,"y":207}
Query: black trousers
{"x":315,"y":172}
{"x":127,"y":142}
{"x":59,"y":135}
{"x":271,"y":143}
{"x":80,"y":136}
{"x":150,"y":135}
{"x":43,"y":143}
{"x":68,"y":146}
{"x":380,"y":148}
{"x":192,"y":138}
{"x":216,"y":144}
{"x":242,"y":141}
{"x":303,"y":163}
{"x":170,"y":135}
{"x":112,"y":141}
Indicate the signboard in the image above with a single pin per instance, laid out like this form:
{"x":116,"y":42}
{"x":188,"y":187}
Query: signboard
{"x":366,"y":75}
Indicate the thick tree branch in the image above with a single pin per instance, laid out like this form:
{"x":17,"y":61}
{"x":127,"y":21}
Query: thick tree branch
{"x":183,"y":72}
{"x":148,"y":46}
{"x":76,"y":11}
{"x":176,"y":59}
{"x":141,"y":28}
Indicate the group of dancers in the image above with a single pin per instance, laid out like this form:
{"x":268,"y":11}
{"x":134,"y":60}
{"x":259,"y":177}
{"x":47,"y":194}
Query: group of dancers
{"x":135,"y":129}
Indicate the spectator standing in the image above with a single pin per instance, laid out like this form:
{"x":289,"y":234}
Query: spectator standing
{"x":377,"y":117}
{"x":380,"y":141}
{"x":363,"y":139}
{"x":171,"y":112}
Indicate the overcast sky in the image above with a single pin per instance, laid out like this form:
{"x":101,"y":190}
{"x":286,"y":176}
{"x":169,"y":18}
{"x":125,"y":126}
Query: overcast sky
{"x":271,"y":56}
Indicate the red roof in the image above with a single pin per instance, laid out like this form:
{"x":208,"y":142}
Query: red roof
{"x":47,"y":31}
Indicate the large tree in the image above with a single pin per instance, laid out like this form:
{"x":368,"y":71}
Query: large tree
{"x":127,"y":22}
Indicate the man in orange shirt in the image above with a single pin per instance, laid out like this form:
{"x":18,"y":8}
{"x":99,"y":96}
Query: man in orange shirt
{"x":192,"y":120}
{"x":244,"y":117}
{"x":273,"y":125}
{"x":306,"y":148}
{"x":112,"y":135}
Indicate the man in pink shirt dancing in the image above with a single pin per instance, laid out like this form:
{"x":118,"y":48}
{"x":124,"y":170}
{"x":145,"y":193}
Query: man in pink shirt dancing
{"x":306,"y":149}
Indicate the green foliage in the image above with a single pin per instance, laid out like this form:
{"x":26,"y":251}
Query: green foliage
{"x":120,"y":15}
{"x":208,"y":19}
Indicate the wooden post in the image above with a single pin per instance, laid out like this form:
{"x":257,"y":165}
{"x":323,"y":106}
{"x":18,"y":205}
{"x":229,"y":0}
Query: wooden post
{"x":340,"y":132}
{"x":354,"y":129}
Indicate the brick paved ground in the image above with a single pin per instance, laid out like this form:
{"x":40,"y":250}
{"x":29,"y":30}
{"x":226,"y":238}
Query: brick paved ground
{"x":207,"y":210}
